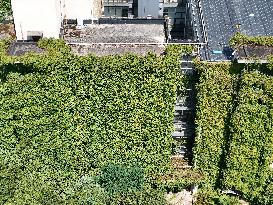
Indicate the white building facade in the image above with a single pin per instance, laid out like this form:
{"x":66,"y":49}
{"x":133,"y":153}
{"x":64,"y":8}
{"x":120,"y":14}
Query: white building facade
{"x":81,"y":9}
{"x":44,"y":17}
{"x":34,"y":17}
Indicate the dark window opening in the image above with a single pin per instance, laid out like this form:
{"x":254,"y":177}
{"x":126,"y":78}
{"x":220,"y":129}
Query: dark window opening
{"x":34,"y":36}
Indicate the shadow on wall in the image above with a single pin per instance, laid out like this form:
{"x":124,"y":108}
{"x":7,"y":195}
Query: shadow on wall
{"x":180,"y":21}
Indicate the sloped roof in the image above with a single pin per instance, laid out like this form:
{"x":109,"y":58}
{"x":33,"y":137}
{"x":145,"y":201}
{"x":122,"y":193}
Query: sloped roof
{"x":222,"y":16}
{"x":21,"y":48}
{"x":254,"y":51}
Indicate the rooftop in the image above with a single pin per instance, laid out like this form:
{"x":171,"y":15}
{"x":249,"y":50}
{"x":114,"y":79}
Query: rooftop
{"x":254,"y":52}
{"x":117,"y":33}
{"x":222,"y":16}
{"x":21,"y":48}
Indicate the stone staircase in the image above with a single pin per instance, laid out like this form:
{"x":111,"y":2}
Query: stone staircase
{"x":184,"y":114}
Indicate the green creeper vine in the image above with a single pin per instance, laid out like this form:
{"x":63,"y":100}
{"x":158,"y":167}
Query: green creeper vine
{"x":240,"y":39}
{"x":5,"y":9}
{"x":251,"y":149}
{"x":234,"y":143}
{"x":214,"y":97}
{"x":64,"y":117}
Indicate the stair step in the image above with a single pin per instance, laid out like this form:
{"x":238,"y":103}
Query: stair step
{"x":179,"y":126}
{"x":187,"y":72}
{"x":187,"y":128}
{"x":181,"y":150}
{"x":179,"y":134}
{"x":184,"y":127}
{"x":186,"y":68}
{"x":183,"y":167}
{"x":186,"y":103}
{"x":187,"y":167}
{"x":179,"y":107}
{"x":181,"y":137}
{"x":178,"y":156}
{"x":186,"y":61}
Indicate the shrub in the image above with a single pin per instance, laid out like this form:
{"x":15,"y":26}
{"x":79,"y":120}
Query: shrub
{"x":120,"y":179}
{"x":85,"y":191}
{"x":215,"y":197}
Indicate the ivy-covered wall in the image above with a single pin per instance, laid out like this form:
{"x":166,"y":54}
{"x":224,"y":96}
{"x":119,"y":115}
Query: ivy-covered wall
{"x":234,"y":138}
{"x":214,"y":99}
{"x":251,"y":148}
{"x":64,"y":118}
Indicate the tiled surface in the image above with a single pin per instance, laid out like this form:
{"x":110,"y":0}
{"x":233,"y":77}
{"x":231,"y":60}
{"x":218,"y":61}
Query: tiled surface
{"x":222,"y":16}
{"x":21,"y":48}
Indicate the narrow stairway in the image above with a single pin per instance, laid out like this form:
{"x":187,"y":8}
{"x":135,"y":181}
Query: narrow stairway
{"x":184,"y":114}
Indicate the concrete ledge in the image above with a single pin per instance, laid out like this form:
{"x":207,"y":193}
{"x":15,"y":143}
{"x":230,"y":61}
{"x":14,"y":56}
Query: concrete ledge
{"x":160,"y":21}
{"x":252,"y":61}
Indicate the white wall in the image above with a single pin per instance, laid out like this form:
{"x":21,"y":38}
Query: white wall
{"x":46,"y":15}
{"x":37,"y":15}
{"x":78,"y":9}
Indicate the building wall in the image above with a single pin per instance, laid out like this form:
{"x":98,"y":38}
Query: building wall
{"x":117,"y":11}
{"x":148,"y":7}
{"x":98,"y":8}
{"x":46,"y":16}
{"x":81,"y":9}
{"x":36,"y":15}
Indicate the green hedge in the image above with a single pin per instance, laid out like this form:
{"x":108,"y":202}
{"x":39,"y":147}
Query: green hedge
{"x":63,"y":117}
{"x":215,"y":88}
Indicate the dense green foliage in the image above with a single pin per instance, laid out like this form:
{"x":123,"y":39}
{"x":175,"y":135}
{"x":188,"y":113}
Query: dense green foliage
{"x":214,"y":99}
{"x":119,"y":179}
{"x":215,"y":197}
{"x":251,"y":148}
{"x":5,"y":9}
{"x":270,"y":62}
{"x":63,"y":118}
{"x":240,"y":39}
{"x":146,"y":197}
{"x":234,"y":146}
